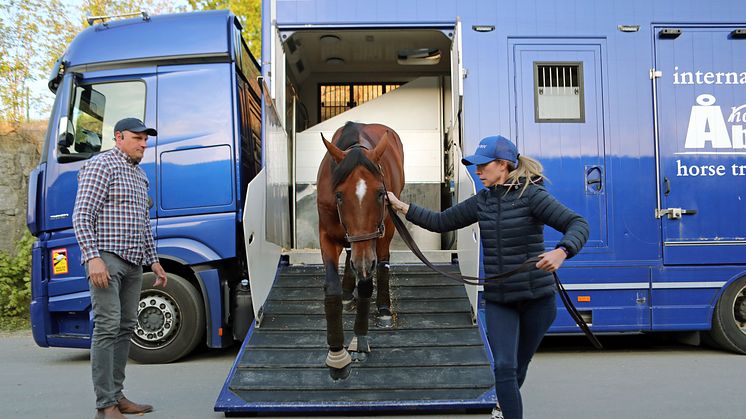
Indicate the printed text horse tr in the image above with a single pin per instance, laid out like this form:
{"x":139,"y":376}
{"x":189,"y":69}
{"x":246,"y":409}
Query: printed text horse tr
{"x":352,"y":212}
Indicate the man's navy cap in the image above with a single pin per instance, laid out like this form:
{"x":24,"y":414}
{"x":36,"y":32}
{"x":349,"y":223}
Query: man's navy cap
{"x":493,"y":148}
{"x":134,"y":125}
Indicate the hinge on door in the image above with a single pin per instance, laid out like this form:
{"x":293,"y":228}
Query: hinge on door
{"x":655,"y":74}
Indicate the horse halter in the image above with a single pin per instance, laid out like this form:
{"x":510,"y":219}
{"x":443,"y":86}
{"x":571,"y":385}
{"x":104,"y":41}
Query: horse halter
{"x":381,"y":227}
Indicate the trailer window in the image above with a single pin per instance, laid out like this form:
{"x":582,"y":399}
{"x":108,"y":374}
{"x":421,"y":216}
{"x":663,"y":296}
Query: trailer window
{"x":558,"y":92}
{"x":95,"y":110}
{"x":337,"y":98}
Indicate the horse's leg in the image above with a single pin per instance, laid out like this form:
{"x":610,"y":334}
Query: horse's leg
{"x":348,"y":284}
{"x":360,"y":343}
{"x":338,"y":359}
{"x":383,"y":294}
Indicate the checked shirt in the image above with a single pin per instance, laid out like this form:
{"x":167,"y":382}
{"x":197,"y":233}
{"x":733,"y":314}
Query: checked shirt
{"x":111,"y":209}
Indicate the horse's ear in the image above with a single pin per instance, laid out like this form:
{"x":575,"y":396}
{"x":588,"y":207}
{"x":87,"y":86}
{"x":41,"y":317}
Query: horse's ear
{"x":335,"y":152}
{"x":377,"y":152}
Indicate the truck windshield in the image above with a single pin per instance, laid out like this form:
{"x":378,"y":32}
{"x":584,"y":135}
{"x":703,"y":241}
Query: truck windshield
{"x":95,"y":109}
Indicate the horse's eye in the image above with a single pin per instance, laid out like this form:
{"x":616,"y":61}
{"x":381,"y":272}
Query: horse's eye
{"x":339,"y":196}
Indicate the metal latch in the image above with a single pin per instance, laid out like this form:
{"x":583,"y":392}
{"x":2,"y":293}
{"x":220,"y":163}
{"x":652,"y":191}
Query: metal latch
{"x":674,"y":213}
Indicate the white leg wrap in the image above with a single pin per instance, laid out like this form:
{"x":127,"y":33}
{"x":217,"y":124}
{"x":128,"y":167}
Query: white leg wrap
{"x":339,"y":359}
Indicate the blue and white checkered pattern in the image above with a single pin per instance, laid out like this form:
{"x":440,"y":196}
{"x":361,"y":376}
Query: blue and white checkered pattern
{"x":111,"y":209}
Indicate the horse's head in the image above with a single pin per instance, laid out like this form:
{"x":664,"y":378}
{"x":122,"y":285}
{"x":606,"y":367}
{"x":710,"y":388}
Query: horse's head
{"x":359,"y":191}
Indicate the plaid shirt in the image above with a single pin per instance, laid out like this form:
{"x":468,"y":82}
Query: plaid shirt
{"x":111,"y":209}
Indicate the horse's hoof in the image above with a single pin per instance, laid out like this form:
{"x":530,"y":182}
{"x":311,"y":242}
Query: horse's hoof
{"x":386,"y":322}
{"x":349,"y":305}
{"x":359,"y":356}
{"x":385,"y":318}
{"x":338,"y":360}
{"x":339,"y":373}
{"x":359,"y":344}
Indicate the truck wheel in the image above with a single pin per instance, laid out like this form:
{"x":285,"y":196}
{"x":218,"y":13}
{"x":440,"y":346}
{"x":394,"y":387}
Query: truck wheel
{"x":729,"y":318}
{"x":170,"y":321}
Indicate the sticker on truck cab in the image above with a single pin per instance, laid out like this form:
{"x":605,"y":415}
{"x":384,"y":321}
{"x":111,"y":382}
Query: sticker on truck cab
{"x":59,"y":261}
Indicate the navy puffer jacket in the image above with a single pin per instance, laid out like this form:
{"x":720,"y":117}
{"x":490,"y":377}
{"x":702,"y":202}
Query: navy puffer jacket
{"x":511,"y":225}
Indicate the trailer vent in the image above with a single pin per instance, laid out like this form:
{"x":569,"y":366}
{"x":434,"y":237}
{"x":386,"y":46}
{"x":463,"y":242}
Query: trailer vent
{"x":337,"y":98}
{"x":558,"y":92}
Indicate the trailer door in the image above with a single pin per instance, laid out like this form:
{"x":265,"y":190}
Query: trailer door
{"x":700,"y":101}
{"x":559,"y":116}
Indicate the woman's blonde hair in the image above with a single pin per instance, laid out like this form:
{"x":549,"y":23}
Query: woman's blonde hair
{"x":527,"y":172}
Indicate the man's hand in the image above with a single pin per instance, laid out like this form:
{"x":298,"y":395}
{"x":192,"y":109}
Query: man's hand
{"x":98,"y":272}
{"x":551,"y":261}
{"x":396,"y":203}
{"x":160,"y":275}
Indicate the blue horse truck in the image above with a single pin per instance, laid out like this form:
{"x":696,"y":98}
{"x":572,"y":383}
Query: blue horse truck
{"x":637,"y":110}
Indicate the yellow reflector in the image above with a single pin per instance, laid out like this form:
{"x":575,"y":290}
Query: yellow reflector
{"x":584,"y":298}
{"x":220,"y":331}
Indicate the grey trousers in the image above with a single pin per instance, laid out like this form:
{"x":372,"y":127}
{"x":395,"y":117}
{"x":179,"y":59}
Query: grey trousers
{"x":114,"y":319}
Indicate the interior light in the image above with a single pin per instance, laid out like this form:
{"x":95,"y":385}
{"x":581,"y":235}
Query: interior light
{"x":335,"y":61}
{"x":418,"y":56}
{"x":329,"y":39}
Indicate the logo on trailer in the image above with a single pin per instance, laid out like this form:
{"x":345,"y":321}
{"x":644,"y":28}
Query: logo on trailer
{"x":707,"y":127}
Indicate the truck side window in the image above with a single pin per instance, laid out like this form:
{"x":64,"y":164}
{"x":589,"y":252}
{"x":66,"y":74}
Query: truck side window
{"x":94,"y":111}
{"x":558,"y":92}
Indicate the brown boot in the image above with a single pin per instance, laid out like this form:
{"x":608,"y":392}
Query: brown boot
{"x":111,"y":412}
{"x":128,"y":406}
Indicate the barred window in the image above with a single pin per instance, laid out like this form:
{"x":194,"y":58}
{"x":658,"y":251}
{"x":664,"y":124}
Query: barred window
{"x":340,"y":97}
{"x":558,"y":92}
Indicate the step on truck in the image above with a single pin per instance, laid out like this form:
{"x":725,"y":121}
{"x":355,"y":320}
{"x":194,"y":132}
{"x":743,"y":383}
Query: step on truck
{"x":636,"y":110}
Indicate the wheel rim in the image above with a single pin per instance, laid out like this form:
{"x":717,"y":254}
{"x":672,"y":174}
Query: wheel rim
{"x":158,"y":320}
{"x":739,"y":310}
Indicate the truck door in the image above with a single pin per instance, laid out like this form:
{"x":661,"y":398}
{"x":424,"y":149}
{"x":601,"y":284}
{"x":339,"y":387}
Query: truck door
{"x":700,"y":102}
{"x":84,"y":128}
{"x":559,"y":116}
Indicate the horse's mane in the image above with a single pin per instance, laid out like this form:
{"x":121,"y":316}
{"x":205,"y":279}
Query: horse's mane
{"x":348,"y":140}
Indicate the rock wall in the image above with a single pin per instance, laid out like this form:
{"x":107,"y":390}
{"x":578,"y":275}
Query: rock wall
{"x":20,"y":151}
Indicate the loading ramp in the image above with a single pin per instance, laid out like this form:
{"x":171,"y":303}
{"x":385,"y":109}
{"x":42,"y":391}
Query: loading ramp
{"x":433,"y":359}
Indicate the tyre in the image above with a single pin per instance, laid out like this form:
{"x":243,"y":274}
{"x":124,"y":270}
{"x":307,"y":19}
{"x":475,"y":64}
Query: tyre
{"x":170,"y":321}
{"x":729,"y":318}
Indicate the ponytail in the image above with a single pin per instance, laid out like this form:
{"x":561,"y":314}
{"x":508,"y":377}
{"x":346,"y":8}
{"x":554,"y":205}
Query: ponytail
{"x":528,"y":171}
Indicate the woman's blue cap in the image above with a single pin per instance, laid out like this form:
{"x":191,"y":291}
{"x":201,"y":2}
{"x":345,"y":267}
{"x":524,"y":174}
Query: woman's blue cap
{"x":493,"y":148}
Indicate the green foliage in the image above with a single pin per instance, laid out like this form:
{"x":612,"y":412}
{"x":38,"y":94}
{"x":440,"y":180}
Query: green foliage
{"x":28,"y":34}
{"x":15,"y":279}
{"x":249,"y":13}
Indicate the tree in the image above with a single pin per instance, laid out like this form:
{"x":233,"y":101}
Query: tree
{"x":249,"y":13}
{"x":28,"y":32}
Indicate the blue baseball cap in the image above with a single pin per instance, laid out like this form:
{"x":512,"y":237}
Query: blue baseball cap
{"x":134,"y":125}
{"x":493,"y":148}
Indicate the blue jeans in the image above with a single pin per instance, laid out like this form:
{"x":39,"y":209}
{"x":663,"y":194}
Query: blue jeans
{"x":514,"y":331}
{"x":114,"y":319}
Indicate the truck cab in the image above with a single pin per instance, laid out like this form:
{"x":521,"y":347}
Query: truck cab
{"x":192,"y":77}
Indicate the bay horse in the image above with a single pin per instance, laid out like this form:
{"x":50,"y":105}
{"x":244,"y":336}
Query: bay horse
{"x":362,"y":162}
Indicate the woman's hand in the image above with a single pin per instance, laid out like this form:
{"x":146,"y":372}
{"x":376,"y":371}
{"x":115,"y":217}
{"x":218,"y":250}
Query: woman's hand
{"x":551,"y":261}
{"x":396,"y":203}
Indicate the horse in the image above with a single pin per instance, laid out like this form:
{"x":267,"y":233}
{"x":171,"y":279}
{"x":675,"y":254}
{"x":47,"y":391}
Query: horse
{"x":362,"y":162}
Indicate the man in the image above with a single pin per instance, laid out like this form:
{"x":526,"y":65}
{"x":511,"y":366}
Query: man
{"x":112,"y":226}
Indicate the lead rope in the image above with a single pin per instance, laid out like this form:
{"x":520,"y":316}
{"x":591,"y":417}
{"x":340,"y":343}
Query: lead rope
{"x":495,"y":280}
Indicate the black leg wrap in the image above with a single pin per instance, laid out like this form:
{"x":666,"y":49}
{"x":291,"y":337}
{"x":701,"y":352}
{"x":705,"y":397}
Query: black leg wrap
{"x":361,"y":318}
{"x":334,"y":327}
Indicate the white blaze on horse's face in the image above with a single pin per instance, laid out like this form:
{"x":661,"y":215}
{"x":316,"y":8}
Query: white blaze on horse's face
{"x":360,"y":190}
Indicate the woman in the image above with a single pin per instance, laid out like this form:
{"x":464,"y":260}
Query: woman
{"x":512,"y":211}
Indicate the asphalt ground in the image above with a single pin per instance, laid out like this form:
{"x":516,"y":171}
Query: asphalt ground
{"x":633,"y":377}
